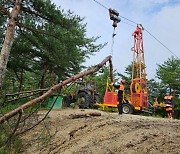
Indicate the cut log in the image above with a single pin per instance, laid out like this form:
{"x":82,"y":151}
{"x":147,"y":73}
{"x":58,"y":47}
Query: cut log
{"x":75,"y":116}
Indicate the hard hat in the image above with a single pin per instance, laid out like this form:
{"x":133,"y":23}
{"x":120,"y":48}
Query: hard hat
{"x":123,"y":81}
{"x":168,"y":90}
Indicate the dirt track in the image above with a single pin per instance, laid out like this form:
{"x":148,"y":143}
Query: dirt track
{"x":106,"y":134}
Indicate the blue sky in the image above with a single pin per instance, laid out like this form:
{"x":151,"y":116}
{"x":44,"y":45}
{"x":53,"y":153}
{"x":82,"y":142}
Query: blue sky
{"x":160,"y":17}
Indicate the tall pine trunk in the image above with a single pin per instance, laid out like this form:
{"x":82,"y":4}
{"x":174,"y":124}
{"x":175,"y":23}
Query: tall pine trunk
{"x":21,"y":80}
{"x":43,"y":76}
{"x":8,"y":41}
{"x":52,"y":77}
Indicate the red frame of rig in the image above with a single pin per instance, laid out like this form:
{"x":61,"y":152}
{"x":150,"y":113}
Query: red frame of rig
{"x":138,"y":87}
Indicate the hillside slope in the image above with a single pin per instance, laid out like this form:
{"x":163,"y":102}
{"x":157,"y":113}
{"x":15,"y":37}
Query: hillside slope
{"x":106,"y":134}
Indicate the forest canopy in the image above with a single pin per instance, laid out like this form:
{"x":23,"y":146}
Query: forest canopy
{"x":49,"y":44}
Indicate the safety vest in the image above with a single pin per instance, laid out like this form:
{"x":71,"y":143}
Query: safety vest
{"x":168,"y":101}
{"x":121,"y":87}
{"x":168,"y":97}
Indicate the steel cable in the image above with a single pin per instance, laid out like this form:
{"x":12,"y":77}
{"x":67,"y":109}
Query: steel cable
{"x":144,"y":29}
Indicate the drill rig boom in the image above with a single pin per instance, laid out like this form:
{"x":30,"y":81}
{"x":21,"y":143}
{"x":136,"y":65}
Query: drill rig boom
{"x":138,"y":87}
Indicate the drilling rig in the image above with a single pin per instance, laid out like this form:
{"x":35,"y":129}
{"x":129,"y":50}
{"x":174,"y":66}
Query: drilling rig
{"x":138,"y":98}
{"x":138,"y":87}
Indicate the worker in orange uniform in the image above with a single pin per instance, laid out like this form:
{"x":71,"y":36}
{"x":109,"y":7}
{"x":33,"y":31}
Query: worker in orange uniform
{"x":120,"y":88}
{"x":169,"y":101}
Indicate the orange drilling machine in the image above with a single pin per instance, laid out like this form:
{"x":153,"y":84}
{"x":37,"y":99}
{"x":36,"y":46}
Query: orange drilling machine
{"x":138,"y":97}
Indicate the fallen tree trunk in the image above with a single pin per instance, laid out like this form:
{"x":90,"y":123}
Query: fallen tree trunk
{"x":84,"y":115}
{"x":25,"y":92}
{"x":56,"y":87}
{"x":15,"y":99}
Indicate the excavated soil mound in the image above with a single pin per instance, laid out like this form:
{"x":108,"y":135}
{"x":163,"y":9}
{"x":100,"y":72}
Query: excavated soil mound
{"x":62,"y":133}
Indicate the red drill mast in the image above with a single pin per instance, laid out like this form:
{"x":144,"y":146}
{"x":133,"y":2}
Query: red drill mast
{"x":138,"y":88}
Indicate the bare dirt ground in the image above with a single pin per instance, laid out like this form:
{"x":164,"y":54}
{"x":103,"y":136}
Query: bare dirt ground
{"x":106,"y":134}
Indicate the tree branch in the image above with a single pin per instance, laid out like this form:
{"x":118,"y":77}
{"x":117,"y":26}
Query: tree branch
{"x":52,"y":90}
{"x":35,"y":30}
{"x":28,"y":10}
{"x":37,"y":14}
{"x":4,"y":10}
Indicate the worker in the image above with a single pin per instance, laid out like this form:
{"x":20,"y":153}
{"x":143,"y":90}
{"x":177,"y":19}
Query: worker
{"x":169,"y":101}
{"x":120,"y":88}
